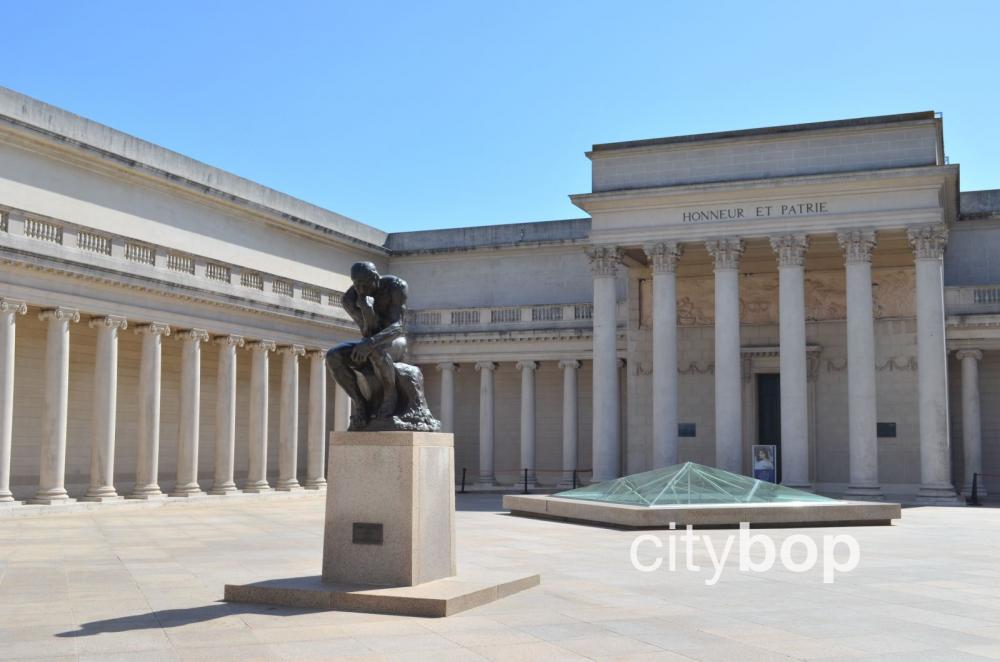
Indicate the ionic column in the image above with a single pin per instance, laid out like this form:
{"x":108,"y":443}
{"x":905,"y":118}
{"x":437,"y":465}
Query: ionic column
{"x":9,"y":310}
{"x":190,"y":423}
{"x":527,"y":369}
{"x":257,"y":473}
{"x":447,"y":413}
{"x":861,"y":412}
{"x":569,"y":419}
{"x":663,"y":259}
{"x":972,"y":433}
{"x":288,"y":433}
{"x":317,"y":421}
{"x":102,"y":449}
{"x":932,"y":366}
{"x":148,"y":460}
{"x":223,"y":482}
{"x":604,"y":261}
{"x":728,"y":385}
{"x":52,"y":473}
{"x":791,"y":252}
{"x":486,"y":430}
{"x":341,"y":409}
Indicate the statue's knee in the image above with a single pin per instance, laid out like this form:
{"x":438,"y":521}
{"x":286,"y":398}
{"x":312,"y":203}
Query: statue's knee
{"x":335,"y":357}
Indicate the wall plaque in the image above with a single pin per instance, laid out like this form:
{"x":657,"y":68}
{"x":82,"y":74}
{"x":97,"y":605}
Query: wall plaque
{"x":367,"y":533}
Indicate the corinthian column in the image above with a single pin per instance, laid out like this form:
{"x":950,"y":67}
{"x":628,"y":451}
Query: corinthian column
{"x":604,"y":262}
{"x":447,"y":412}
{"x":663,"y":258}
{"x":932,"y":366}
{"x":52,"y":474}
{"x":791,"y":251}
{"x":527,"y":369}
{"x":317,"y":421}
{"x":972,"y":431}
{"x":148,"y":462}
{"x":9,"y":310}
{"x":288,"y":426}
{"x":486,"y":428}
{"x":861,"y":413}
{"x":223,"y":482}
{"x":102,"y":448}
{"x":257,"y":473}
{"x":728,"y":386}
{"x":190,"y":424}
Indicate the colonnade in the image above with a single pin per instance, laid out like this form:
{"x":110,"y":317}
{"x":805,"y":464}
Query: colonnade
{"x":928,"y":243}
{"x":528,"y":419}
{"x":52,"y":467}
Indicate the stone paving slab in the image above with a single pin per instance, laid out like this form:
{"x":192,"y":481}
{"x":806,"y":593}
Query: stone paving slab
{"x":146,"y":584}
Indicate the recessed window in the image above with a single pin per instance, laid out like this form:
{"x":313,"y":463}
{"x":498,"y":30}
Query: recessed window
{"x":686,"y":430}
{"x":885,"y":430}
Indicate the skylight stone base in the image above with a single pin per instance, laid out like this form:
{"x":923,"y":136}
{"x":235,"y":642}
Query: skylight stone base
{"x":784,"y":514}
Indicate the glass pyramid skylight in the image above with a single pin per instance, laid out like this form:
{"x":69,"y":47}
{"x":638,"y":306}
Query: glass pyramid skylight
{"x":689,"y":483}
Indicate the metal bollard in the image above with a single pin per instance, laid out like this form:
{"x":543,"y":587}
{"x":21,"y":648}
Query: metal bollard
{"x":574,"y":479}
{"x":463,"y":480}
{"x":974,"y":498}
{"x":525,"y":481}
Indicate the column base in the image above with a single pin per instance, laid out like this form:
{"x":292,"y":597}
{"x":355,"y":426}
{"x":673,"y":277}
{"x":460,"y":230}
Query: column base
{"x":100,"y":498}
{"x":486,"y":481}
{"x":314,"y":484}
{"x":980,"y":490}
{"x":864,"y":493}
{"x":6,"y":496}
{"x":224,"y":489}
{"x":50,"y":501}
{"x":290,"y":485}
{"x":257,"y":488}
{"x":805,"y":487}
{"x":147,"y":492}
{"x":938,"y":495}
{"x":188,"y":492}
{"x":101,"y":493}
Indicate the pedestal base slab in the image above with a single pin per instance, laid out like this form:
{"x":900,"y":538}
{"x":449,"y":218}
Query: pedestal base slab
{"x":442,"y":597}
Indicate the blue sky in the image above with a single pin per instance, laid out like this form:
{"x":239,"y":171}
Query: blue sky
{"x":419,"y":115}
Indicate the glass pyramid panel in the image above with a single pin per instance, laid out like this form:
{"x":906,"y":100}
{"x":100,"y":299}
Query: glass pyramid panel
{"x":689,"y":483}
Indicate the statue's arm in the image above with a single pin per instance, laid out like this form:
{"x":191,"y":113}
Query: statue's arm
{"x":394,"y":328}
{"x":352,"y":304}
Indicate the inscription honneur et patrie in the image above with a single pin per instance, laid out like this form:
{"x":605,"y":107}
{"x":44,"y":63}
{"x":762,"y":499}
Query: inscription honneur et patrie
{"x":755,"y":211}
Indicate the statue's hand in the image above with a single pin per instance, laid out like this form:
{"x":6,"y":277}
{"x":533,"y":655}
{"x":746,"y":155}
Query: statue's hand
{"x":361,"y":351}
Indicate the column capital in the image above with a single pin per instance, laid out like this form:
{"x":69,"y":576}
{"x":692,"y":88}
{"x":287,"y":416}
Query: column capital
{"x":928,"y":241}
{"x":857,"y":244}
{"x":292,"y":350}
{"x":447,"y":365}
{"x":194,"y":335}
{"x":153,"y":329}
{"x":663,"y":256}
{"x":59,"y":313}
{"x":316,"y":353}
{"x":108,"y":322}
{"x":969,"y":354}
{"x":727,"y":252}
{"x":261,"y":345}
{"x":569,"y":363}
{"x":527,"y":365}
{"x":790,"y":249}
{"x":231,"y":340}
{"x":486,"y":365}
{"x":604,"y":260}
{"x":13,"y":305}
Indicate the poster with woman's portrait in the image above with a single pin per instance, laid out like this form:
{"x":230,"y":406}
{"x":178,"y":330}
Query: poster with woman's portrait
{"x":765,"y":463}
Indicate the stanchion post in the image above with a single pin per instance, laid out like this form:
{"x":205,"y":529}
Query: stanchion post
{"x":463,"y":480}
{"x":574,"y":479}
{"x":525,"y":481}
{"x":974,"y":500}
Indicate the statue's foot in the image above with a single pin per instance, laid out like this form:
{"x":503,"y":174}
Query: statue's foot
{"x":386,"y":413}
{"x":359,"y":420}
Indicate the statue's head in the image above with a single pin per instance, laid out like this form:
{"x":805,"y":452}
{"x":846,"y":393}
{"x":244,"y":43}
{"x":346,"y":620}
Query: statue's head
{"x":365,"y":278}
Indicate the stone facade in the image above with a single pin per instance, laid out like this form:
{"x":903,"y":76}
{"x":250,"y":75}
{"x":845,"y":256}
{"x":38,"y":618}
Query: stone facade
{"x":813,"y":252}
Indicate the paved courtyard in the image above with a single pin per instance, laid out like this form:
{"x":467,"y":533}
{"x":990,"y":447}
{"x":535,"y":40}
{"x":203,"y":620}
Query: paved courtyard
{"x":145,"y":583}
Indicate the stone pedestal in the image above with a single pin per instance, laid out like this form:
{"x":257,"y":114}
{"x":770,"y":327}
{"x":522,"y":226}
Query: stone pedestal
{"x":390,"y":508}
{"x":389,"y":539}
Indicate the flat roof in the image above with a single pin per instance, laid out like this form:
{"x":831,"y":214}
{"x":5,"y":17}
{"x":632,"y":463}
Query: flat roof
{"x":770,"y":130}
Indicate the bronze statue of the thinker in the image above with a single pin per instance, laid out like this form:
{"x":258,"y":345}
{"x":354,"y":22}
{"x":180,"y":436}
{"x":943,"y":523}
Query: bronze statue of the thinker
{"x":385,"y":393}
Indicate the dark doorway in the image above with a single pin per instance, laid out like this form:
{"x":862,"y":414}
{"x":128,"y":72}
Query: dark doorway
{"x":769,"y":413}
